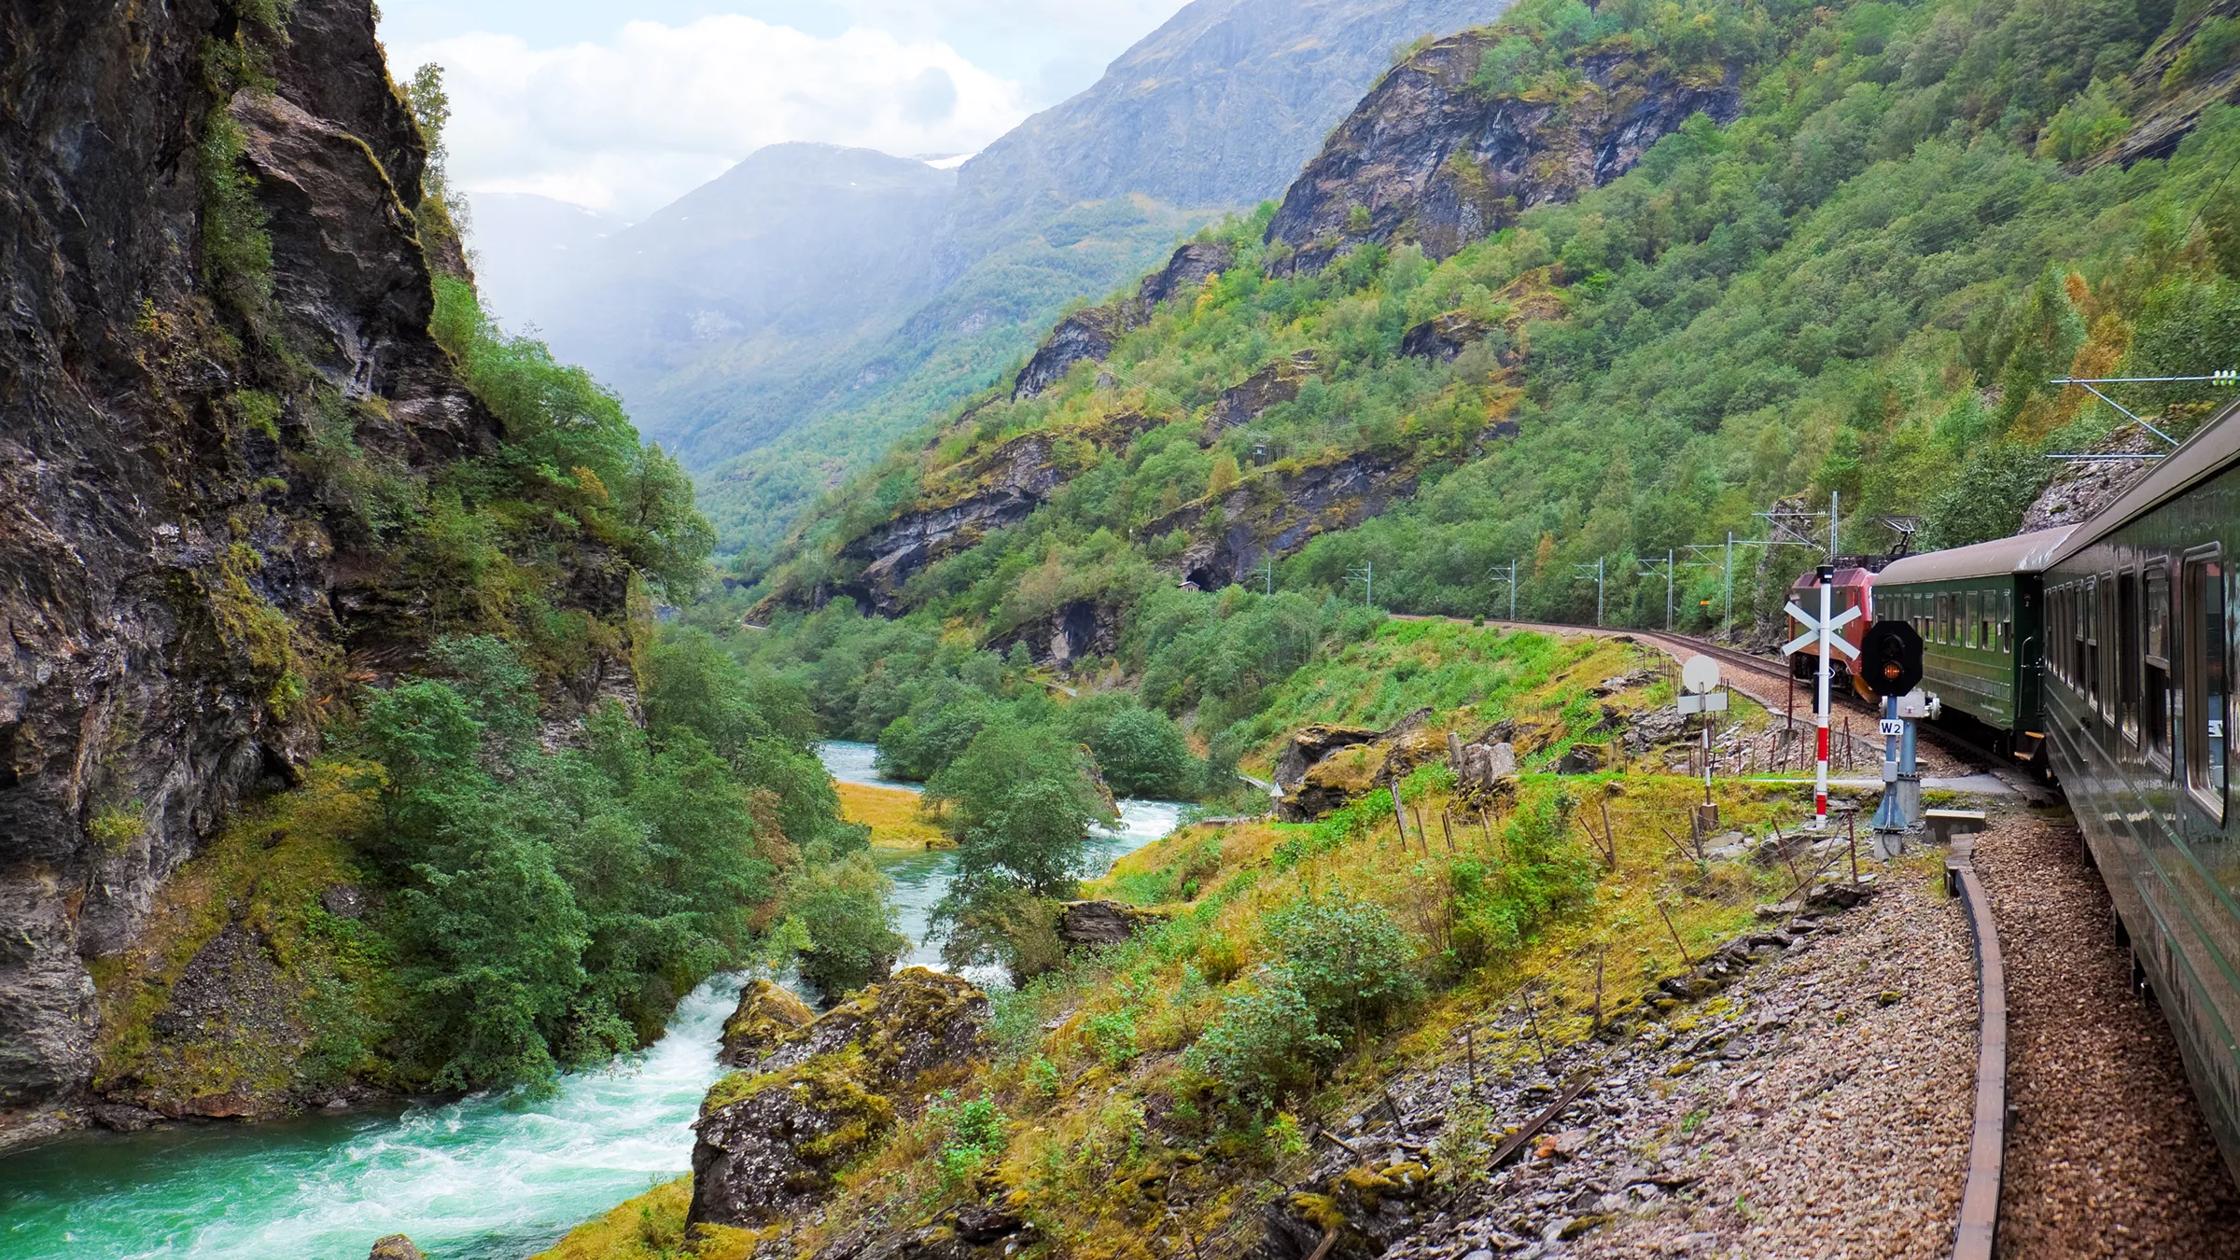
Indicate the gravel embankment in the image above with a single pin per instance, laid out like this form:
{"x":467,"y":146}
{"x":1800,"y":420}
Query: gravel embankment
{"x":1846,"y":1135}
{"x":2107,"y":1153}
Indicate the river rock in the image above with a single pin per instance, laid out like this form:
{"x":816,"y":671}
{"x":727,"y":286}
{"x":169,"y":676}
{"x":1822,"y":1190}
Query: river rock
{"x":767,"y":1014}
{"x":122,"y":1117}
{"x":395,"y":1247}
{"x":1100,"y":923}
{"x":769,"y":1145}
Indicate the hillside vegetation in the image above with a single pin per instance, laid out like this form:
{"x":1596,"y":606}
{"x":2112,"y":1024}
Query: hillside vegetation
{"x":1167,"y":1087}
{"x":1863,"y":284}
{"x":523,"y":820}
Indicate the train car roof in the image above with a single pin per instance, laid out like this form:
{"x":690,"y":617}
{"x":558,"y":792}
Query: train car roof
{"x":2211,"y":448}
{"x":2024,"y":553}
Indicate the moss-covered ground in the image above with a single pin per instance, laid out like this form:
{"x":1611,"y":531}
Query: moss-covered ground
{"x":266,"y":875}
{"x":894,"y":816}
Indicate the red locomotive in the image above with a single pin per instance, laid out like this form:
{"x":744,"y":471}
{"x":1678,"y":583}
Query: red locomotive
{"x":1854,"y":588}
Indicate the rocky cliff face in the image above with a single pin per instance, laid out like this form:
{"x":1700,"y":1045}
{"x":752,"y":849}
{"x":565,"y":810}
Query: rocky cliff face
{"x":1430,"y":157}
{"x":184,"y":583}
{"x":988,"y":492}
{"x":1088,"y":335}
{"x":1274,"y":513}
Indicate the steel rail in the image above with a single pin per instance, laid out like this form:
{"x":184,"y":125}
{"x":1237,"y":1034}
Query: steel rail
{"x":1976,"y":1230}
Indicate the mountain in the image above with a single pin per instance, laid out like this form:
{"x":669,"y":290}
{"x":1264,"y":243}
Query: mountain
{"x":726,"y":292}
{"x":1583,"y":287}
{"x":1211,"y":113}
{"x":528,"y":250}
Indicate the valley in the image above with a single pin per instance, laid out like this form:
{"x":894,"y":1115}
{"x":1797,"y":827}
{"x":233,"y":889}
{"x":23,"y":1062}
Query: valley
{"x":986,"y":706}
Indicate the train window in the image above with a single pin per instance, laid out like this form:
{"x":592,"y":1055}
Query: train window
{"x":1985,"y":607}
{"x":2206,"y":702}
{"x":2095,"y":693}
{"x":1965,"y":633}
{"x":2124,"y":687}
{"x":2155,"y":657}
{"x":2006,"y":622}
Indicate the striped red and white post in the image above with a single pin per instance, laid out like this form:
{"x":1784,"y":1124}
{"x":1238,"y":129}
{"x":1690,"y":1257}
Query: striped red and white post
{"x":1820,"y":702}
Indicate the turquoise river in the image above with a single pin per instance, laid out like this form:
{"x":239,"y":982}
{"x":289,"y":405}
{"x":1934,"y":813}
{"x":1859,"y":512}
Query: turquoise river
{"x":488,"y":1177}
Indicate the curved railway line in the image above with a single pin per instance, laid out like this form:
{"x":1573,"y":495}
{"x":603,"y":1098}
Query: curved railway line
{"x":1975,"y":1232}
{"x":2065,"y":1054}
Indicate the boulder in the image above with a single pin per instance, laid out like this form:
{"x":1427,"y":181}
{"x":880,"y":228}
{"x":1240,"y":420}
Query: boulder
{"x":769,"y":1146}
{"x":919,"y":1030}
{"x":1095,"y":924}
{"x":766,"y":1016}
{"x":770,"y":1143}
{"x":122,"y":1117}
{"x":1582,"y":759}
{"x":1331,"y":765}
{"x":1485,"y":765}
{"x":1310,"y":744}
{"x":395,"y":1247}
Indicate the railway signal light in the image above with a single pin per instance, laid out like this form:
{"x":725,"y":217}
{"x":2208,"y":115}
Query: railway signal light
{"x":1890,"y":658}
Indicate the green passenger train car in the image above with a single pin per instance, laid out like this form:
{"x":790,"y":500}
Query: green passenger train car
{"x":1981,"y":618}
{"x":2143,"y":621}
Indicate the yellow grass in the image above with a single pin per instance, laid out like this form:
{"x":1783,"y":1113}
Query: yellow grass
{"x":893,"y":816}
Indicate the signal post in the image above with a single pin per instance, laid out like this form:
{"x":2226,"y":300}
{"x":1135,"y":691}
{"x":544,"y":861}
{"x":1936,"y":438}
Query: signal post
{"x":1890,"y":666}
{"x":1821,"y":631}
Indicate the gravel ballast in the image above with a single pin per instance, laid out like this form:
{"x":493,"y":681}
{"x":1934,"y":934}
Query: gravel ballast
{"x":2107,"y":1150}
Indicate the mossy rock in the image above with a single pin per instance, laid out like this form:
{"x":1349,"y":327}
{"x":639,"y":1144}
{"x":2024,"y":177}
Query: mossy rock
{"x":766,"y":1017}
{"x":771,"y":1146}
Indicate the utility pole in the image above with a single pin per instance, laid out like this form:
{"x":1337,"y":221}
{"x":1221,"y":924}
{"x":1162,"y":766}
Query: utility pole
{"x":1599,"y":580}
{"x":1835,"y":510}
{"x":1507,"y":573}
{"x":1366,"y":574}
{"x":1667,"y":586}
{"x":1268,"y":571}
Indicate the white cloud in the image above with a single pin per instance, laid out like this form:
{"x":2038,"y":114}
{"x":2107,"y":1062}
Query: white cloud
{"x":632,"y":122}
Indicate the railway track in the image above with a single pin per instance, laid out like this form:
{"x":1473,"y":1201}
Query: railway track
{"x":1974,"y":1234}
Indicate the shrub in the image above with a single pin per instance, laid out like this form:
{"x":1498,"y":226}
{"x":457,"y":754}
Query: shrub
{"x":851,"y":926}
{"x":975,"y":1136}
{"x":1351,"y":961}
{"x":1266,"y":1044}
{"x":1142,"y":753}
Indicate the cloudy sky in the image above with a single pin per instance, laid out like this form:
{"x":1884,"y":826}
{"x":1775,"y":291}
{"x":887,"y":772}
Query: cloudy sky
{"x":623,"y":108}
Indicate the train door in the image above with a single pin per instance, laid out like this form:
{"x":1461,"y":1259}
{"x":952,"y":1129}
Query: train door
{"x":2204,"y":696}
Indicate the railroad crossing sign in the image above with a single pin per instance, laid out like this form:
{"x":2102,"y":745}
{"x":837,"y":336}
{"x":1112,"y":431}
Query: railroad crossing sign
{"x":1812,"y":634}
{"x":1822,"y":628}
{"x":1699,"y":686}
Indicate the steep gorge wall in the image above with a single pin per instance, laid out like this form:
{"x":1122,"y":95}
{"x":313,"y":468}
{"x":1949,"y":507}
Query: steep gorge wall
{"x":185,"y":582}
